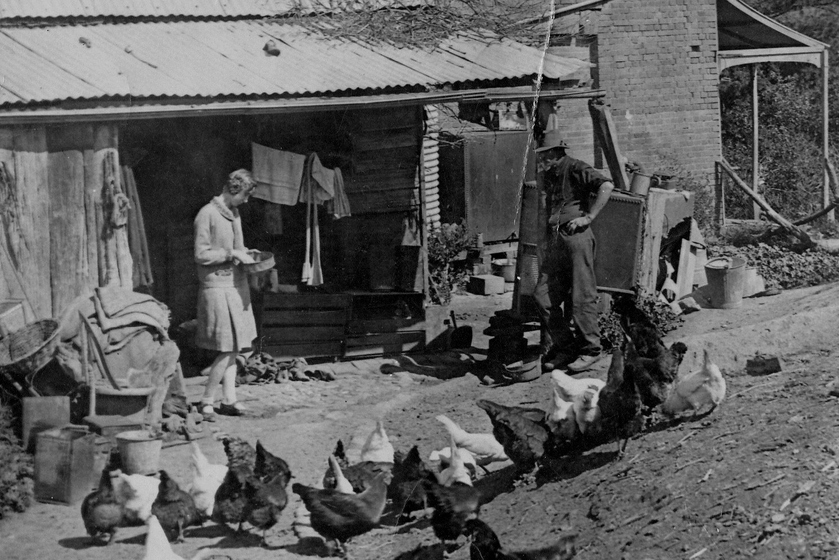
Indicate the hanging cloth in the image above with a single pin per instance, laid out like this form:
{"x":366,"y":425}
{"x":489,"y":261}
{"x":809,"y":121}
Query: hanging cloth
{"x":312,"y":271}
{"x":339,"y":206}
{"x":306,"y":276}
{"x":278,"y":174}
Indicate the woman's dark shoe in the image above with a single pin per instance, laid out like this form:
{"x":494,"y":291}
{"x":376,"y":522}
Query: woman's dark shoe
{"x":229,"y":410}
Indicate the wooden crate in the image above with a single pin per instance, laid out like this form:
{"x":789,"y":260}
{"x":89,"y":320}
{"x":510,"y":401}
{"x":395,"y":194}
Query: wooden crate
{"x":385,"y":323}
{"x":304,"y":325}
{"x":384,"y":344}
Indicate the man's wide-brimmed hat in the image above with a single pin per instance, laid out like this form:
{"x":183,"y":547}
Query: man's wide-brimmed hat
{"x":552,"y":139}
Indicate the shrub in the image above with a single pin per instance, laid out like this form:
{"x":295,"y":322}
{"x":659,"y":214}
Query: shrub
{"x":784,"y":267}
{"x":16,"y":469}
{"x":445,"y":272}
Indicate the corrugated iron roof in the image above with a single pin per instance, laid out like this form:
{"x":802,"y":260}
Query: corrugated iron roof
{"x":10,"y":9}
{"x":226,"y":58}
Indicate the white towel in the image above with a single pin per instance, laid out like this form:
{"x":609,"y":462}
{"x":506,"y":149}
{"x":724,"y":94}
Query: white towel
{"x":278,"y":174}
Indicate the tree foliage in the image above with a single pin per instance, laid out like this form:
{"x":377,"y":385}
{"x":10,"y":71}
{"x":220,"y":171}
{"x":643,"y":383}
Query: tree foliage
{"x":790,"y":116}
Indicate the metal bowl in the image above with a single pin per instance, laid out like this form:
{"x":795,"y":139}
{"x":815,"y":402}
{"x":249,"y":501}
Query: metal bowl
{"x":264,"y":261}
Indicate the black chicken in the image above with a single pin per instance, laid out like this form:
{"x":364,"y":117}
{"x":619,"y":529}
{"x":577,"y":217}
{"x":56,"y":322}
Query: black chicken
{"x":486,"y":546}
{"x":174,"y":508}
{"x":360,"y":475}
{"x":231,"y":501}
{"x":339,"y":517}
{"x":101,"y":512}
{"x":239,"y":453}
{"x":620,"y":406}
{"x":268,"y":466}
{"x":453,"y":506}
{"x":522,"y":432}
{"x":406,"y":491}
{"x":654,"y":366}
{"x":265,"y":501}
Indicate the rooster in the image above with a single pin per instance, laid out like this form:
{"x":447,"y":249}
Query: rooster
{"x":174,"y":508}
{"x":620,"y":406}
{"x":697,"y":389}
{"x":206,"y":480}
{"x":484,"y":447}
{"x":654,"y":366}
{"x":377,"y":448}
{"x":101,"y":511}
{"x":486,"y":546}
{"x":338,"y":517}
{"x":522,"y":431}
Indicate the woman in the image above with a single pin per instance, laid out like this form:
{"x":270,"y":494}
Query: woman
{"x":225,"y":318}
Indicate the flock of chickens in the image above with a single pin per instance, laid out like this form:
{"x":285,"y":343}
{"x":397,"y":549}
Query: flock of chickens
{"x":251,"y":488}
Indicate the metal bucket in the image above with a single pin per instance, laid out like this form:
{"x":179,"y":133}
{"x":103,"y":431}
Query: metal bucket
{"x":726,"y":277}
{"x":640,"y":184}
{"x":139,"y":451}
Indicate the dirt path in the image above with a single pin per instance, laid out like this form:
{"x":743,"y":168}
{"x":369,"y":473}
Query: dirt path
{"x":722,"y":486}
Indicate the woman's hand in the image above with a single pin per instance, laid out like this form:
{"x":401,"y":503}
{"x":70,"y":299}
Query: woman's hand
{"x":241,"y":256}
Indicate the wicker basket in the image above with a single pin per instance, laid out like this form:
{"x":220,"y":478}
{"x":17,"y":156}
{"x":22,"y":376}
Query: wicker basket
{"x":28,"y":349}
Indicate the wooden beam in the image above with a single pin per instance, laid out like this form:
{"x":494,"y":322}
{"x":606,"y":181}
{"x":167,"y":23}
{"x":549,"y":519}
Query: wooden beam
{"x":768,"y":210}
{"x":604,"y":128}
{"x":755,"y":142}
{"x":68,"y":237}
{"x":826,"y":135}
{"x":559,"y":12}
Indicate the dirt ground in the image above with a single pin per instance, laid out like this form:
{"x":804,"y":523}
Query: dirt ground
{"x":755,"y":478}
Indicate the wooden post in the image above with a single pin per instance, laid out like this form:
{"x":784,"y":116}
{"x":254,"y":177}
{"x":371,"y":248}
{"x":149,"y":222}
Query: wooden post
{"x":31,"y":209}
{"x":68,"y":237}
{"x":604,"y":129}
{"x":826,"y":132}
{"x":755,"y":144}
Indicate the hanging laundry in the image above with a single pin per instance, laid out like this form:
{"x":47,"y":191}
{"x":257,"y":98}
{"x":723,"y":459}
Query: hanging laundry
{"x":278,"y":174}
{"x":323,"y":183}
{"x":312,"y":273}
{"x":339,"y":206}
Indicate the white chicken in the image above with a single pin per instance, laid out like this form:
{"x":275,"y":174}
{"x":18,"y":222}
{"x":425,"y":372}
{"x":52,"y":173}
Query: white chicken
{"x":697,"y":389}
{"x":456,"y":471}
{"x":561,"y":417}
{"x":377,"y":448}
{"x":586,"y":410}
{"x":484,"y":447}
{"x":157,"y":545}
{"x":341,"y":483}
{"x":136,"y":493}
{"x":206,"y":479}
{"x":443,"y":457}
{"x":570,"y":387}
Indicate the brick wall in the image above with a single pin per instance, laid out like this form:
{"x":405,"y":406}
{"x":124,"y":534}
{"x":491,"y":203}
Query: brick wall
{"x":657,"y":65}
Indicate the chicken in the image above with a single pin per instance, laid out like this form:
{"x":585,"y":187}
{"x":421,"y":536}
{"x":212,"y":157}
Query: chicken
{"x":265,"y":501}
{"x":268,"y":466}
{"x":136,"y":493}
{"x":561,"y":418}
{"x":486,"y":546}
{"x":157,"y":545}
{"x":174,"y":508}
{"x":484,"y":447}
{"x":239,"y":453}
{"x":697,"y":389}
{"x":453,"y":506}
{"x":206,"y":480}
{"x":434,"y":551}
{"x":406,"y":491}
{"x":101,"y":511}
{"x":341,"y":483}
{"x":569,"y":387}
{"x":230,"y":500}
{"x":586,"y":410}
{"x":339,"y":517}
{"x":377,"y":448}
{"x":522,"y":431}
{"x":359,"y":475}
{"x":456,"y":471}
{"x":654,"y":365}
{"x":620,"y":406}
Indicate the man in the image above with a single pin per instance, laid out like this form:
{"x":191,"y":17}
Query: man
{"x":567,"y":273}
